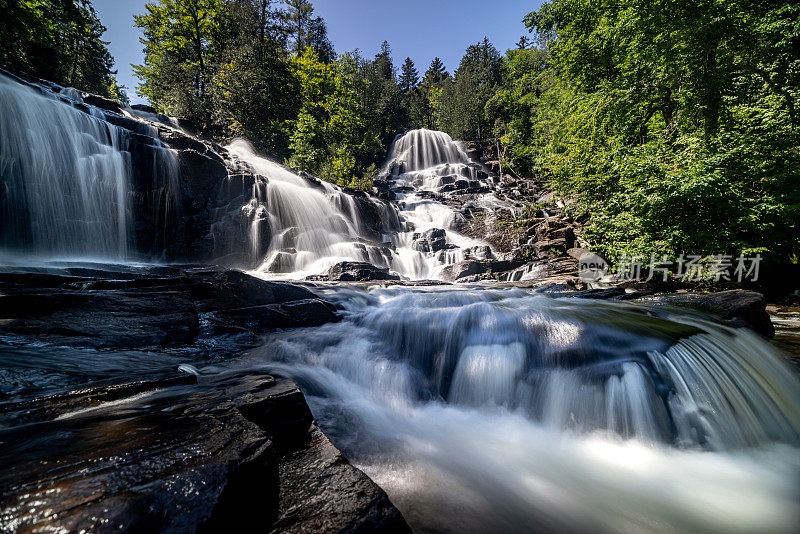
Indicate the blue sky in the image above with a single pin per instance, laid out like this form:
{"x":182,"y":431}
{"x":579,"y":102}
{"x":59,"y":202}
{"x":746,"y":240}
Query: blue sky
{"x":419,"y":29}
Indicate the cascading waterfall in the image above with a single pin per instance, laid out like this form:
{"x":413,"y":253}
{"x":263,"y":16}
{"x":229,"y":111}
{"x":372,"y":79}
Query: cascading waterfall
{"x":426,"y":161}
{"x":309,"y":225}
{"x":507,"y":410}
{"x":476,"y":410}
{"x":66,"y":176}
{"x":300,"y":226}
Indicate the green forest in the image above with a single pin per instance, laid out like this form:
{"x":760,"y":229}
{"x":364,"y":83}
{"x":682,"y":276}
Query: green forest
{"x":673,"y":125}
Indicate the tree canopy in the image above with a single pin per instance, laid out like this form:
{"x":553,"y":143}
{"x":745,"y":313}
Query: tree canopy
{"x":60,"y":40}
{"x":672,"y":124}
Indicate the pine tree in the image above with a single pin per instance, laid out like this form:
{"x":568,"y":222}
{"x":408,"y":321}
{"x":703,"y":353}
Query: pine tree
{"x":409,"y":76}
{"x":383,"y":61}
{"x":436,"y":73}
{"x":317,"y":38}
{"x":298,"y":17}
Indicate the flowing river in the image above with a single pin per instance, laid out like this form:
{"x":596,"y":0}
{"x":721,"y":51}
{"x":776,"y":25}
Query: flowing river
{"x":483,"y":410}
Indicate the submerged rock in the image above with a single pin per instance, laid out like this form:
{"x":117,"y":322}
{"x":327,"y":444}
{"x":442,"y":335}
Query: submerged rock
{"x":741,"y":307}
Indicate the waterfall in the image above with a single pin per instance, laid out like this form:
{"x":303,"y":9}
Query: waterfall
{"x":487,"y":410}
{"x":422,"y":162}
{"x":426,"y":150}
{"x":66,"y":176}
{"x":300,"y":226}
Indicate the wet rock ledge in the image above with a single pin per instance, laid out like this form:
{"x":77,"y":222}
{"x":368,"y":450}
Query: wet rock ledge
{"x":89,"y":444}
{"x":128,"y":307}
{"x":232,"y":453}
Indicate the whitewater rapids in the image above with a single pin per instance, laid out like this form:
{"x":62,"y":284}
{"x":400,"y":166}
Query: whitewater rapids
{"x":510,"y":411}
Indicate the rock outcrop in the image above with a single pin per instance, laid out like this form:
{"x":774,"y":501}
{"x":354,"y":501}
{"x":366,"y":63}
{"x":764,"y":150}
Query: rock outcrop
{"x":353,"y":271}
{"x":738,"y":307}
{"x":140,"y":308}
{"x":102,"y":430}
{"x":188,"y":195}
{"x":232,"y":452}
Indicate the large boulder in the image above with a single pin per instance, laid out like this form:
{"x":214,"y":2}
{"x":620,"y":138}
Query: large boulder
{"x":355,"y":271}
{"x":234,"y":452}
{"x":464,"y":269}
{"x":738,"y":306}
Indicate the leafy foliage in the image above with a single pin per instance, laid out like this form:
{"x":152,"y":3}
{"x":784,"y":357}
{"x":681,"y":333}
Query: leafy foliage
{"x":672,"y":124}
{"x":183,"y":44}
{"x":60,"y":40}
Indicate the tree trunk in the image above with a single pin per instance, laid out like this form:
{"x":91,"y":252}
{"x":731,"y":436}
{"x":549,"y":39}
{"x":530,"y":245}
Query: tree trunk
{"x":198,"y":45}
{"x":713,"y":95}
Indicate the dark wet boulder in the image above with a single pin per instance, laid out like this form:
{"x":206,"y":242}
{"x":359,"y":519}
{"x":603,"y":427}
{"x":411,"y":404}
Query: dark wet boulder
{"x":168,"y":308}
{"x":738,"y":306}
{"x":434,"y":233}
{"x":309,"y":312}
{"x":421,"y":245}
{"x":464,"y":269}
{"x":478,"y":252}
{"x":432,"y":240}
{"x":102,"y":102}
{"x":231,"y":452}
{"x":601,"y":293}
{"x":353,"y":271}
{"x":228,"y":289}
{"x":440,"y":243}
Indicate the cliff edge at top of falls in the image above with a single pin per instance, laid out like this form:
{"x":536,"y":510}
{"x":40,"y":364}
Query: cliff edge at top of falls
{"x":105,"y":427}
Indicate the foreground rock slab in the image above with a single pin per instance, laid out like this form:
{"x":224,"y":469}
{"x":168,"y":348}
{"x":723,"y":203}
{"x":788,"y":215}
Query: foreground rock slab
{"x":231,"y":452}
{"x":162,"y":307}
{"x":353,"y":271}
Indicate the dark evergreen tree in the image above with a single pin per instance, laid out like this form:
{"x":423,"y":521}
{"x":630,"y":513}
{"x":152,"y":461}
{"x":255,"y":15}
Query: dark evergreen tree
{"x":436,"y":73}
{"x":60,"y":40}
{"x":317,"y":38}
{"x":465,"y":96}
{"x":409,"y":76}
{"x":383,"y":62}
{"x":383,"y":100}
{"x":298,"y":16}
